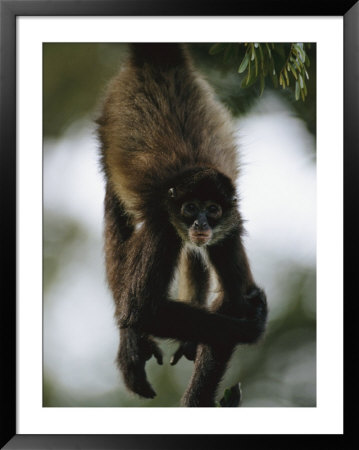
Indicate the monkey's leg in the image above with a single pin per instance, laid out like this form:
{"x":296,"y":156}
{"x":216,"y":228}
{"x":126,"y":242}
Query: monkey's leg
{"x":240,"y":298}
{"x":192,"y":287}
{"x":135,"y":348}
{"x":211,"y":362}
{"x":209,"y":368}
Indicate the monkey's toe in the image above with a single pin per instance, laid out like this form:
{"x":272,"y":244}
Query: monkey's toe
{"x":186,"y":349}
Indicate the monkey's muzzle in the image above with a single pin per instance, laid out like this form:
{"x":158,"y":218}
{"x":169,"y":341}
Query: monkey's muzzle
{"x":200,"y":237}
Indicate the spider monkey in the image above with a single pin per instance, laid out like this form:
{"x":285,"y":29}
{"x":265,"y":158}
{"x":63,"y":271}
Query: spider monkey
{"x":170,"y":164}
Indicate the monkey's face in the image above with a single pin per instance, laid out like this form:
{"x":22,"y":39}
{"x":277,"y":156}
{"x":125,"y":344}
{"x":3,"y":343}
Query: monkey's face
{"x":200,"y":218}
{"x":200,"y":222}
{"x":202,"y":207}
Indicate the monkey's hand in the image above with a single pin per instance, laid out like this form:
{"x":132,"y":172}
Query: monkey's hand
{"x":135,"y":350}
{"x":187,"y":349}
{"x":256,"y":312}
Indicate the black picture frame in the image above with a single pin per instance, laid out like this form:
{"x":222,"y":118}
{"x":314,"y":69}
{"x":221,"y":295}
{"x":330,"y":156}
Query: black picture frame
{"x":9,"y":10}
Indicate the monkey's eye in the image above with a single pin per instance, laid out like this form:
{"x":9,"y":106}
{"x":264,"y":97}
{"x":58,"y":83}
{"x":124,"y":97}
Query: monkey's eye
{"x":172,"y":192}
{"x":189,"y":209}
{"x":214,"y":211}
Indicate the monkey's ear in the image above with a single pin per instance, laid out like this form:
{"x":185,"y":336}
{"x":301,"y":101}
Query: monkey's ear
{"x":172,"y":192}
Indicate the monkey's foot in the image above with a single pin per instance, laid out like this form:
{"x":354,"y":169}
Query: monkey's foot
{"x":186,"y":349}
{"x":148,"y":348}
{"x":135,"y":350}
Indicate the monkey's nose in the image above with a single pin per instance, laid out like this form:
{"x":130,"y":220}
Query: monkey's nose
{"x":199,"y":225}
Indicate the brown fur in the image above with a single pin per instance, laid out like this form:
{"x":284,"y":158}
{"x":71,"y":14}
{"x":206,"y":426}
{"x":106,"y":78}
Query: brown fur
{"x":152,"y":127}
{"x":166,"y":140}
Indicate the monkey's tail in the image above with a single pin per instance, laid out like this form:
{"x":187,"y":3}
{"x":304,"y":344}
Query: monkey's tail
{"x":158,"y":54}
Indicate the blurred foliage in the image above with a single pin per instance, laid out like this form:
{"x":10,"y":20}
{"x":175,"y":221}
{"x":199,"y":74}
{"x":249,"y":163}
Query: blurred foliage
{"x":239,"y":81}
{"x":61,"y":236}
{"x":75,"y":76}
{"x":161,"y":377}
{"x":231,"y":397}
{"x":270,"y":60}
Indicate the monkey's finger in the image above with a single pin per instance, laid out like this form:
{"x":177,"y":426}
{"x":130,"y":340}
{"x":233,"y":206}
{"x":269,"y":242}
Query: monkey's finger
{"x":190,"y":350}
{"x":256,"y":295}
{"x":177,"y":356}
{"x":157,"y":353}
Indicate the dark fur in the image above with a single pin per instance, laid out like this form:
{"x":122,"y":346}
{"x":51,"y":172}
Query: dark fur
{"x":162,"y":129}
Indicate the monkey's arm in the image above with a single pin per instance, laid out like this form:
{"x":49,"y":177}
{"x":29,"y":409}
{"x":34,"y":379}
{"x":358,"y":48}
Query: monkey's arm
{"x":143,"y":300}
{"x":240,"y":296}
{"x":142,"y":268}
{"x":135,"y":348}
